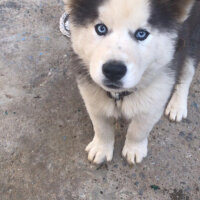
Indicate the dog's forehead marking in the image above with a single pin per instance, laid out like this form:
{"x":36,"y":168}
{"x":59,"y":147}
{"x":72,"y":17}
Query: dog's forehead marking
{"x":121,"y":13}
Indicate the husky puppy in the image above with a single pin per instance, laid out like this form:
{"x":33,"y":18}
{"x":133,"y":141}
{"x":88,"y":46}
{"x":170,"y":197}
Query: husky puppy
{"x":134,"y":57}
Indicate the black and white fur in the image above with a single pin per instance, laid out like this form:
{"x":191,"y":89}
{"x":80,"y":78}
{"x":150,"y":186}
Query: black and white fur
{"x":159,"y":69}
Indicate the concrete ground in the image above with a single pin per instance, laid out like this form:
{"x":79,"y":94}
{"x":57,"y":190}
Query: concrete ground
{"x":44,"y":126}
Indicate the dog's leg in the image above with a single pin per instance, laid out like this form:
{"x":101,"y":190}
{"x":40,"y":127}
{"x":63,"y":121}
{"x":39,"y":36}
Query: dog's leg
{"x":100,"y":149}
{"x":177,"y":106}
{"x":135,"y":148}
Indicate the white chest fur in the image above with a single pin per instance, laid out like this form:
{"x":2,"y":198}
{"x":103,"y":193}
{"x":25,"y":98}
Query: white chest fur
{"x":151,"y":99}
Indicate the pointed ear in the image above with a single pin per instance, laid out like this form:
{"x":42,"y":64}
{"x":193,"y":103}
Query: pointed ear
{"x":181,"y":9}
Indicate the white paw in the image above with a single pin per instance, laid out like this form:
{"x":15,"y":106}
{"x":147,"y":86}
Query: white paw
{"x":177,"y":108}
{"x":135,"y":152}
{"x":98,"y":152}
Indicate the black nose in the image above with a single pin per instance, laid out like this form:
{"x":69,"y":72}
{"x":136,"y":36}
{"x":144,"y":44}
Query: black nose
{"x":114,"y":70}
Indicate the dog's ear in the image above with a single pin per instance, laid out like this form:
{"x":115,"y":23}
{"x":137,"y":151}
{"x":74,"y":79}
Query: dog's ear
{"x":181,"y":9}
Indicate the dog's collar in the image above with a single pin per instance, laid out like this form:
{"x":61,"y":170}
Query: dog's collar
{"x":118,"y":96}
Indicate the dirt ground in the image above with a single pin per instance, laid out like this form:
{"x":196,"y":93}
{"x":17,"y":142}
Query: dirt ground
{"x":44,"y":127}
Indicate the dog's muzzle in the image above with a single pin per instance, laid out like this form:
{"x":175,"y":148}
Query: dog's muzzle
{"x":113,"y":71}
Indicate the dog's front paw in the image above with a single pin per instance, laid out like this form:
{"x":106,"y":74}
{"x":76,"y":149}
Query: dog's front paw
{"x":98,"y":151}
{"x":176,"y":108}
{"x":135,"y":152}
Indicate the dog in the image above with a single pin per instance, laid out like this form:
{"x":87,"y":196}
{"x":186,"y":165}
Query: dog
{"x":135,"y":59}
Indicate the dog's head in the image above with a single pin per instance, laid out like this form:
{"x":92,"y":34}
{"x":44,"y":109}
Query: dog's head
{"x":119,"y":40}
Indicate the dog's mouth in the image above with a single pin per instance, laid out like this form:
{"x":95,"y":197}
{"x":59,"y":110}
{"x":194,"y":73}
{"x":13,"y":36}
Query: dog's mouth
{"x":113,"y":85}
{"x":110,"y":86}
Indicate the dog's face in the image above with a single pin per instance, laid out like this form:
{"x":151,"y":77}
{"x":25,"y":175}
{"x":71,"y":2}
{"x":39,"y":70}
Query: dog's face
{"x":120,"y":41}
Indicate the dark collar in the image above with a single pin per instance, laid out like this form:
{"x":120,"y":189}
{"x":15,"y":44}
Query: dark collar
{"x":118,"y":96}
{"x":181,"y":44}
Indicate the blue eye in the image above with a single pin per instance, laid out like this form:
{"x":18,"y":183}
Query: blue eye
{"x":141,"y":34}
{"x":101,"y":29}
